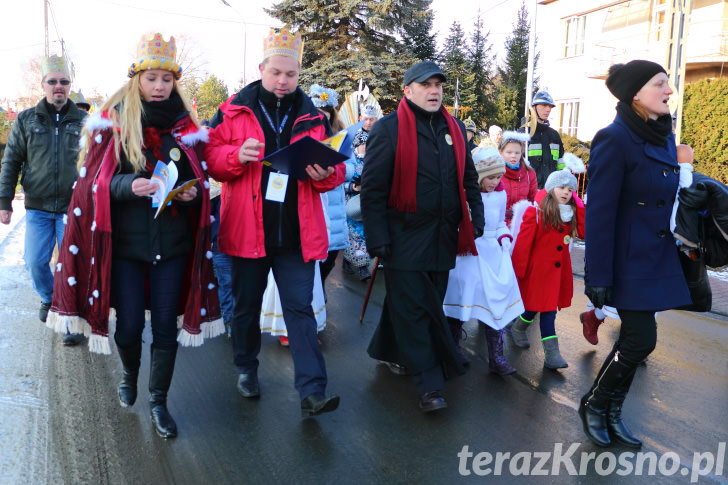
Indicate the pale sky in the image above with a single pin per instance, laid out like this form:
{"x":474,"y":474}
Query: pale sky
{"x":101,"y":35}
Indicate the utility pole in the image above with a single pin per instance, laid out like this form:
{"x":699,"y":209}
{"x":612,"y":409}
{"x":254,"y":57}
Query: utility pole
{"x":531,"y":56}
{"x":45,"y":16}
{"x":679,"y":14}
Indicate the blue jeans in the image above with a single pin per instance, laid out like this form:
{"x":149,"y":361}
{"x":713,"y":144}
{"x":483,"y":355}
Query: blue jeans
{"x":221,"y":262}
{"x":43,"y":230}
{"x":129,"y":297}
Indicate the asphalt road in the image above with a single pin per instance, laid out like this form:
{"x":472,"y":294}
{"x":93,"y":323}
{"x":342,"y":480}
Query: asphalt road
{"x":60,"y":421}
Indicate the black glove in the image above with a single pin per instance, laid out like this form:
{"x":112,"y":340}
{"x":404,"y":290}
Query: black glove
{"x":356,"y":179}
{"x":382,"y":252}
{"x":599,"y":295}
{"x":477,"y":232}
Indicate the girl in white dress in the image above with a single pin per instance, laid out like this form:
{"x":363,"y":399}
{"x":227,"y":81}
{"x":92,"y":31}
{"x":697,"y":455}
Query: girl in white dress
{"x":484,"y":286}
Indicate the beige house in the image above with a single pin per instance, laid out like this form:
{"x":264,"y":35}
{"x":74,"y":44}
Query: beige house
{"x":580,"y":39}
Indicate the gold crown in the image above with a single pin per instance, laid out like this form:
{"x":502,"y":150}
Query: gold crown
{"x":154,"y":53}
{"x":283,"y":43}
{"x":55,"y":64}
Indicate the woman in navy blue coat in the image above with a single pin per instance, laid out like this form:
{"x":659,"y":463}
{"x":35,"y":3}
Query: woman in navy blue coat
{"x":631,"y":258}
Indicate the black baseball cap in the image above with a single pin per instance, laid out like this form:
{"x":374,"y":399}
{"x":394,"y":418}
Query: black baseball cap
{"x":421,"y":72}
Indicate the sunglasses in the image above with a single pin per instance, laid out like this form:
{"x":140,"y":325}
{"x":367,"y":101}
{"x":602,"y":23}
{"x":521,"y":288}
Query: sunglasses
{"x":53,"y":82}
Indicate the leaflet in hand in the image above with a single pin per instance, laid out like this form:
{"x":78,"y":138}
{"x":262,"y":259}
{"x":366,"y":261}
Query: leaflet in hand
{"x":165,"y":176}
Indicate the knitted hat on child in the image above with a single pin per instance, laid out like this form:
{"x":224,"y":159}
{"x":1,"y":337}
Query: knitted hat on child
{"x":488,"y":162}
{"x":560,"y":178}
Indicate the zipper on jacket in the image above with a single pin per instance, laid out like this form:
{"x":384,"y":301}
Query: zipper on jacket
{"x":58,"y":164}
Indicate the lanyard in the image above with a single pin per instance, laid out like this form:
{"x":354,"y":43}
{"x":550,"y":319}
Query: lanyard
{"x":270,"y":121}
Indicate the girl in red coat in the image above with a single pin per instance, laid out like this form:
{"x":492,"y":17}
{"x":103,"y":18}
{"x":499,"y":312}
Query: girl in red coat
{"x":542,"y":262}
{"x":520,"y":179}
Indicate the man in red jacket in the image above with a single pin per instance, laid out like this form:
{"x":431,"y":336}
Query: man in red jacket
{"x":270,"y":220}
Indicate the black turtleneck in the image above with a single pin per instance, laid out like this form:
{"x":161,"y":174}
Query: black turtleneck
{"x":280,"y":220}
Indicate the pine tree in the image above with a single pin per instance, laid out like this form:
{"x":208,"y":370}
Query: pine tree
{"x":513,"y":74}
{"x":210,"y":94}
{"x":416,"y":31}
{"x":481,"y":59}
{"x":345,"y":40}
{"x":455,"y":66}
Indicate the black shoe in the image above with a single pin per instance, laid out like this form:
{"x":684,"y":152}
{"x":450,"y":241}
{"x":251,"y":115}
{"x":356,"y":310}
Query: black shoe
{"x":364,"y":273}
{"x":618,"y":431}
{"x":164,"y":424}
{"x":317,"y":403}
{"x":70,"y":339}
{"x":43,"y":312}
{"x":396,"y":369}
{"x":432,"y":401}
{"x":248,"y":385}
{"x":595,"y":424}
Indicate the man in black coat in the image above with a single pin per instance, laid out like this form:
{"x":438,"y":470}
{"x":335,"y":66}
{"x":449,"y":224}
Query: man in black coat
{"x":545,"y":149}
{"x":419,"y":196}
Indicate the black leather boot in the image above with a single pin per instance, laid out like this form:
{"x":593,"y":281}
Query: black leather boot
{"x":160,"y":378}
{"x":456,"y":330}
{"x":595,"y":404}
{"x":618,"y":431}
{"x":130,"y":360}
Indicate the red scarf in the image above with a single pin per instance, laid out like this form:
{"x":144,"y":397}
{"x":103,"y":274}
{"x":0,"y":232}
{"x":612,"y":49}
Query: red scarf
{"x":403,"y":195}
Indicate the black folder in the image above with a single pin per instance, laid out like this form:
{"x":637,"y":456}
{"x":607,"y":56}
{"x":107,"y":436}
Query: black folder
{"x":294,"y":158}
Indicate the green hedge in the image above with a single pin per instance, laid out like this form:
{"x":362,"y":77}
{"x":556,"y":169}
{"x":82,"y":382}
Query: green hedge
{"x":705,"y":126}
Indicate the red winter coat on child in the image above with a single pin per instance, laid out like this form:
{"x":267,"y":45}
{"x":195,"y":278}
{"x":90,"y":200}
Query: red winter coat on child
{"x":542,"y":261}
{"x":521,"y":184}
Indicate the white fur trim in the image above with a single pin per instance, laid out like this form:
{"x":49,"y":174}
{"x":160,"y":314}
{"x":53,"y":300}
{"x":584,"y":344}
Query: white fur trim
{"x":73,"y":249}
{"x":77,"y":211}
{"x":186,"y":339}
{"x":65,"y":218}
{"x":213,"y":329}
{"x":573,"y":163}
{"x":190,"y":139}
{"x":516,"y":136}
{"x":71,"y":281}
{"x":519,"y":208}
{"x":97,"y":122}
{"x":99,"y":344}
{"x":82,"y":172}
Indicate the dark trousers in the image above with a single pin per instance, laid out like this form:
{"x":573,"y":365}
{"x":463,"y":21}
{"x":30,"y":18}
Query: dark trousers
{"x":637,"y":335}
{"x":128,"y":296}
{"x":547,"y":322}
{"x":413,"y":330}
{"x":294,"y":278}
{"x":326,"y":266}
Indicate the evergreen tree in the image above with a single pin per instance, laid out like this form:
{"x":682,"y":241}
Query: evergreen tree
{"x":345,"y":40}
{"x":513,"y":75}
{"x":455,"y":66}
{"x":416,"y":32}
{"x":209,"y":95}
{"x":481,"y":59}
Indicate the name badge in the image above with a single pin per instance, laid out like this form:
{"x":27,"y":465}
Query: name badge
{"x":276,"y":190}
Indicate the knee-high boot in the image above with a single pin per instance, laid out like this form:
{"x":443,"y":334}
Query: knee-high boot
{"x":160,"y":378}
{"x":618,"y":431}
{"x":130,"y":360}
{"x":595,"y":404}
{"x":456,"y":329}
{"x":497,"y":362}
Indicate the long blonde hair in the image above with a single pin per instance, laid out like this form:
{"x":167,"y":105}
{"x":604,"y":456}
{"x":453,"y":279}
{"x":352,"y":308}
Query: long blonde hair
{"x":128,"y":118}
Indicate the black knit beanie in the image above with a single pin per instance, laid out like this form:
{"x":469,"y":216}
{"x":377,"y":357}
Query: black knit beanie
{"x":625,"y":80}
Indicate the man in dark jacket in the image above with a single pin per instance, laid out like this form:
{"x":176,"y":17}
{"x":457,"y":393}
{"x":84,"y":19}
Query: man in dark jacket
{"x":43,"y":149}
{"x":419,"y":195}
{"x":545,"y":150}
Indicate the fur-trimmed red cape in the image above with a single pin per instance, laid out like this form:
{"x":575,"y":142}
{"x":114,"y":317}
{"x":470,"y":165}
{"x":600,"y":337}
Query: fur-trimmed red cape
{"x":82,"y":288}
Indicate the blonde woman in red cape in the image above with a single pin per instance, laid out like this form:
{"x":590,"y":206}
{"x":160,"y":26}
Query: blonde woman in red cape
{"x":120,"y":251}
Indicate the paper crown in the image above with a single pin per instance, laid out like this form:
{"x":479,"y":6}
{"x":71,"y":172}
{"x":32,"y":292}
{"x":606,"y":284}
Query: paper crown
{"x":154,"y":53}
{"x":55,"y":64}
{"x":322,"y":96}
{"x":77,"y":97}
{"x":283,"y":43}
